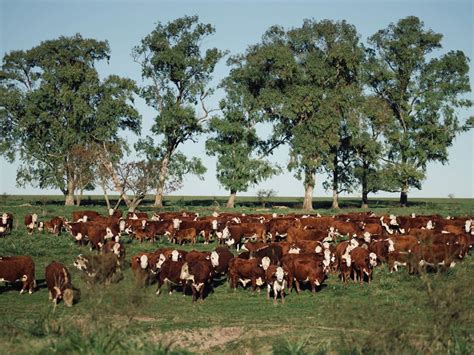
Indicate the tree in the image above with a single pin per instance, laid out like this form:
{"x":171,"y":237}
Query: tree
{"x":52,"y":101}
{"x":424,"y":93}
{"x":177,"y":76}
{"x":235,"y":143}
{"x":298,"y":81}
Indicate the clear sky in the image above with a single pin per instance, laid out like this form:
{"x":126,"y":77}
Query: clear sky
{"x":24,"y":24}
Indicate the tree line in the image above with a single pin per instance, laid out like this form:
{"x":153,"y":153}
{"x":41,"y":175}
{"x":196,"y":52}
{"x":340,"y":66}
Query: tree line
{"x":369,"y":115}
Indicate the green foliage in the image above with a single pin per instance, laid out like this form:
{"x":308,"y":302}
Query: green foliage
{"x":264,"y":196}
{"x":176,"y":75}
{"x":53,"y":101}
{"x":423,"y":92}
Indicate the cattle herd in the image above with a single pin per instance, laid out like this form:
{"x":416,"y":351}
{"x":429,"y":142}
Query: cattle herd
{"x":280,"y":251}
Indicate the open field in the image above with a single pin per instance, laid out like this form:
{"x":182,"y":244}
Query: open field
{"x":397,"y":313}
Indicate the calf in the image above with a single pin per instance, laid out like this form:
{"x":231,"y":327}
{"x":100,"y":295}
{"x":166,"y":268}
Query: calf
{"x":182,"y":235}
{"x":31,"y":222}
{"x":18,"y":268}
{"x":275,"y":277}
{"x":58,"y":280}
{"x":200,"y":274}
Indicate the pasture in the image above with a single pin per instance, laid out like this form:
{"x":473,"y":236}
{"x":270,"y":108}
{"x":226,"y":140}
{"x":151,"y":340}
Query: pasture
{"x":397,"y":313}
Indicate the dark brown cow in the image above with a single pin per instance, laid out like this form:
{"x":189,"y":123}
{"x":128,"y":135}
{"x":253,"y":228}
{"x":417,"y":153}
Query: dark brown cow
{"x":245,"y":271}
{"x":272,"y":251}
{"x":18,"y":268}
{"x":199,"y":274}
{"x":169,"y":273}
{"x":278,"y":227}
{"x":220,"y":259}
{"x":434,"y":256}
{"x":58,"y":280}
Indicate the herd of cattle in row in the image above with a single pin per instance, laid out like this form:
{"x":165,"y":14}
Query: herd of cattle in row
{"x":280,"y":251}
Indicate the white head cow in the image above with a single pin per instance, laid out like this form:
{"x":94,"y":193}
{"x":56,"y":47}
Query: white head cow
{"x":215,"y":259}
{"x":367,"y":237}
{"x":215,"y":214}
{"x":4,"y":218}
{"x":214,"y":224}
{"x":265,"y":263}
{"x":175,"y":255}
{"x":160,"y":261}
{"x":373,"y":259}
{"x":176,"y":223}
{"x":111,"y":211}
{"x":391,"y":245}
{"x":468,"y":225}
{"x":143,"y":261}
{"x":280,"y":274}
{"x":116,"y":249}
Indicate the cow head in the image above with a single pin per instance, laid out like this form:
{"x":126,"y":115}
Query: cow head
{"x":413,"y":215}
{"x":176,"y":223}
{"x":81,"y":262}
{"x":468,"y":225}
{"x":184,"y":275}
{"x":373,"y":259}
{"x":4,"y":218}
{"x":175,"y":255}
{"x":215,"y":214}
{"x":122,"y":226}
{"x":318,"y":249}
{"x":367,"y":237}
{"x":265,"y":263}
{"x":354,"y":243}
{"x":391,"y":245}
{"x":68,"y":297}
{"x":280,"y":274}
{"x":294,"y":250}
{"x":111,"y":211}
{"x":230,"y":241}
{"x":215,"y":259}
{"x":40,"y":226}
{"x":143,"y":261}
{"x":116,"y":249}
{"x":214,"y":224}
{"x":161,"y":260}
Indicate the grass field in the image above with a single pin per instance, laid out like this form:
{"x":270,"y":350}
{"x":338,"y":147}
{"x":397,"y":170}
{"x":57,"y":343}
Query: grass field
{"x":397,"y":313}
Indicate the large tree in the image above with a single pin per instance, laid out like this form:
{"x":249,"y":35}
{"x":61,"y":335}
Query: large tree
{"x":176,"y":72}
{"x":302,"y":81}
{"x":235,"y":142}
{"x":424,"y":93}
{"x":52,"y":101}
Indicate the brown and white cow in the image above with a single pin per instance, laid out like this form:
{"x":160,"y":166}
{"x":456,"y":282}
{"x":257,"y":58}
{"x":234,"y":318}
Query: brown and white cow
{"x":245,"y":271}
{"x":31,"y":222}
{"x":18,"y":268}
{"x":362,"y":264}
{"x":199,"y":274}
{"x":6,"y":224}
{"x":58,"y":281}
{"x":275,"y":277}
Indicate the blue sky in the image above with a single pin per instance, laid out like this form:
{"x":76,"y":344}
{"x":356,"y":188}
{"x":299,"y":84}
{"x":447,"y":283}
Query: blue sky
{"x":24,"y":24}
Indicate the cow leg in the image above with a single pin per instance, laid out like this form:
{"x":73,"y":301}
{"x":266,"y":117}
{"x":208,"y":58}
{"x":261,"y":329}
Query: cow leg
{"x":268,"y":291}
{"x":297,"y":284}
{"x":194,"y":293}
{"x":275,"y":295}
{"x":361,"y":275}
{"x":313,"y":286}
{"x":282,"y":295}
{"x":158,"y":288}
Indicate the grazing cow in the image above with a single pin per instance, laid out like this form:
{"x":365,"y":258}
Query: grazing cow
{"x":169,"y":273}
{"x":254,"y":231}
{"x":380,"y":248}
{"x":6,"y":224}
{"x":362,"y":263}
{"x":245,"y":271}
{"x":200,"y":274}
{"x":275,"y":277}
{"x":402,"y":242}
{"x":54,"y":226}
{"x":278,"y":227}
{"x":434,"y":256}
{"x":58,"y":280}
{"x":103,"y":268}
{"x":117,"y":248}
{"x":31,"y":222}
{"x":96,"y":234}
{"x":144,"y":266}
{"x":18,"y":268}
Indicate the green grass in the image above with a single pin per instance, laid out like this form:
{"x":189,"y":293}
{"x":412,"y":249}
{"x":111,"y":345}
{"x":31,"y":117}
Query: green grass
{"x":397,"y":313}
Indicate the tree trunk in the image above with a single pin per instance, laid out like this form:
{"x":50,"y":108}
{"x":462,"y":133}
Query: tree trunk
{"x":106,"y":197}
{"x":335,"y":184}
{"x":70,"y":193}
{"x":231,"y":200}
{"x":161,"y":182}
{"x":404,"y":195}
{"x":115,"y":179}
{"x":365,"y":192}
{"x":335,"y":199}
{"x":308,"y":191}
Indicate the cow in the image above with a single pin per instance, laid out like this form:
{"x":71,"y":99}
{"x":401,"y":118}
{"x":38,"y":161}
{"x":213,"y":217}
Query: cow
{"x":31,"y":222}
{"x":18,"y":268}
{"x":245,"y":271}
{"x":278,"y":227}
{"x":362,"y":263}
{"x":304,"y":268}
{"x":54,"y":226}
{"x":275,"y":277}
{"x":434,"y":256}
{"x":58,"y":281}
{"x":402,"y":242}
{"x":396,"y":259}
{"x":220,"y":259}
{"x":6,"y":224}
{"x":169,"y":273}
{"x":182,"y":235}
{"x":295,"y":234}
{"x":117,"y":248}
{"x":272,"y":251}
{"x":84,"y":216}
{"x":199,"y":274}
{"x":104,"y":268}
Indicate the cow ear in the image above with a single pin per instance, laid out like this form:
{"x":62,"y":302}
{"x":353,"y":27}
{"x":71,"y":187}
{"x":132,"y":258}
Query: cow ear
{"x":208,"y":257}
